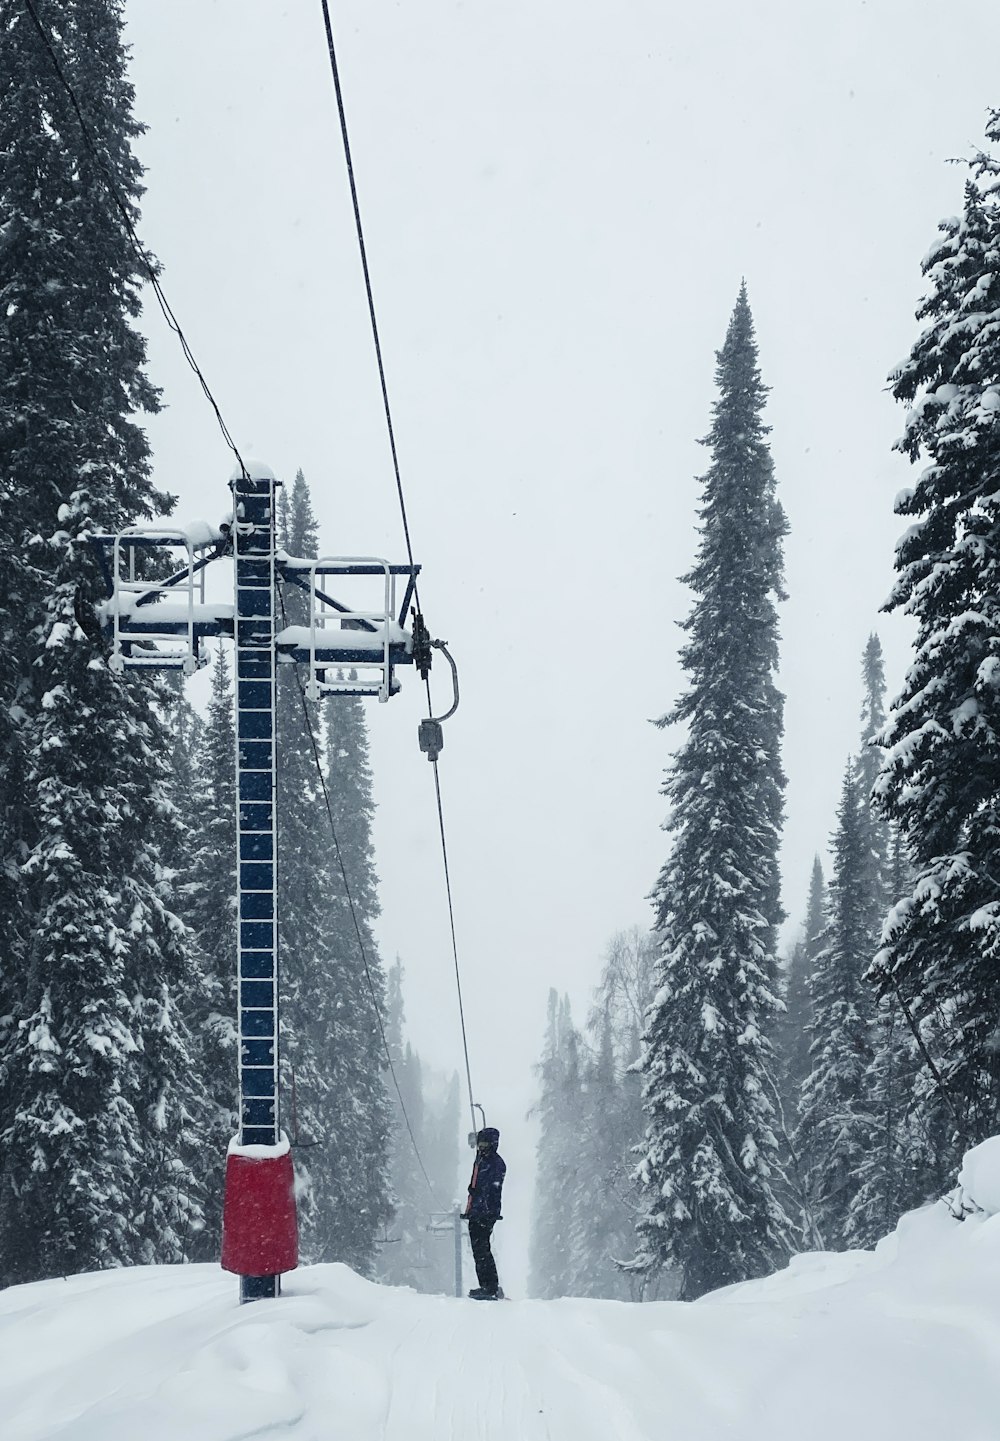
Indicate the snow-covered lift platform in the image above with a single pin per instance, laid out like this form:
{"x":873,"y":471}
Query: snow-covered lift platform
{"x":157,"y":614}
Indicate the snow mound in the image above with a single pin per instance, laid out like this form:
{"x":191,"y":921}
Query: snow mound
{"x":979,"y":1177}
{"x":900,"y":1342}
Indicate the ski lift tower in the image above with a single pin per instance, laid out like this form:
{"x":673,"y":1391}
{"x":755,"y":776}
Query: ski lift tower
{"x":157,"y":617}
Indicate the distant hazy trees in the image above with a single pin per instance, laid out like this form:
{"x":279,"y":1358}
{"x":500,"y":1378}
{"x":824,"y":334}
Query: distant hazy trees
{"x":417,"y":1248}
{"x":590,"y":1120}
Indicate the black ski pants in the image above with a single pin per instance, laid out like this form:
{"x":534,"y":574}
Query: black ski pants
{"x":480,"y":1230}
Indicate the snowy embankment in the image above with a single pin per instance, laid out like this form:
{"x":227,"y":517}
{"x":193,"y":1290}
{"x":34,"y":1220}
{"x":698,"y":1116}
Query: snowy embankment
{"x":902,"y":1342}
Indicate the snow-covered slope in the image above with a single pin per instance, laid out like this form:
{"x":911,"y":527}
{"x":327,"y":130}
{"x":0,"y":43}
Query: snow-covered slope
{"x":902,"y":1343}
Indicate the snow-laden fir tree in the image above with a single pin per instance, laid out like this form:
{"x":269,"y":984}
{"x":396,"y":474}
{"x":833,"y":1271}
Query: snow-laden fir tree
{"x":941,"y":777}
{"x":710,"y":1153}
{"x":892,"y":1177}
{"x":836,"y":1124}
{"x":97,"y":1100}
{"x":210,"y":913}
{"x":311,"y":1000}
{"x":884,"y":1170}
{"x":333,"y":1061}
{"x":356,"y":1058}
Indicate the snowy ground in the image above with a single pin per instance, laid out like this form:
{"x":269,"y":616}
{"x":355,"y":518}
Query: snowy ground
{"x":902,"y":1343}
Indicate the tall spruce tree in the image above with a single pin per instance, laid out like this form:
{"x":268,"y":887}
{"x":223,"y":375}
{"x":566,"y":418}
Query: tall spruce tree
{"x":836,"y":1125}
{"x":885,"y":1169}
{"x":356,"y":1051}
{"x":941,"y":778}
{"x":210,"y":912}
{"x":710,"y":1151}
{"x":304,"y":879}
{"x":97,"y":1102}
{"x":332,"y":1043}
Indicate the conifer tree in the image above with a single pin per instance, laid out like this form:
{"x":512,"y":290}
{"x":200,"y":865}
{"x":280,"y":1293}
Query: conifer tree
{"x":210,"y":912}
{"x":332,"y":1045}
{"x":885,"y":1171}
{"x":305,"y":870}
{"x":836,"y":1126}
{"x":941,"y":778}
{"x":710,"y":1154}
{"x":97,"y":1099}
{"x":356,"y":1049}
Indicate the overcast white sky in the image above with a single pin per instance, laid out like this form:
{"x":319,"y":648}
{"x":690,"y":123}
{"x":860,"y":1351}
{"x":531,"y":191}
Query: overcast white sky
{"x":560,"y":201}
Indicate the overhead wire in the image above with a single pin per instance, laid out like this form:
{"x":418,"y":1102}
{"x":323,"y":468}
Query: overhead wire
{"x":335,"y":70}
{"x":146,"y":261}
{"x":454,"y":944}
{"x":362,"y":248}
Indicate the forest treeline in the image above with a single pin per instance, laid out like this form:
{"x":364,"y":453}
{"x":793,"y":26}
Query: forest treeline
{"x":117,"y":800}
{"x":768,"y":1106}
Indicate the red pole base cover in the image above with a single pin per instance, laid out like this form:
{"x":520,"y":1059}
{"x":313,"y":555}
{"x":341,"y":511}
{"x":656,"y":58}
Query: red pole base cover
{"x":260,"y":1233}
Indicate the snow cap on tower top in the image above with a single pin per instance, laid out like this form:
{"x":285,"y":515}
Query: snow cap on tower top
{"x":255,"y":469}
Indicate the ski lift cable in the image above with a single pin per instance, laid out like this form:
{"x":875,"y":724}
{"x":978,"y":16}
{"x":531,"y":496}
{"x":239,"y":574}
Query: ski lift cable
{"x":314,"y":746}
{"x":335,"y":71}
{"x":454,"y":946}
{"x":146,"y":261}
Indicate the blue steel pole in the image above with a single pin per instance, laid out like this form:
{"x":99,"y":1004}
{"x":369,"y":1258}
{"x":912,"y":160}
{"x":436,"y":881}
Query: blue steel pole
{"x":257,"y":994}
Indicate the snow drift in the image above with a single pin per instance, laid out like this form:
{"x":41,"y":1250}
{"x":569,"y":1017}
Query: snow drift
{"x":871,"y":1346}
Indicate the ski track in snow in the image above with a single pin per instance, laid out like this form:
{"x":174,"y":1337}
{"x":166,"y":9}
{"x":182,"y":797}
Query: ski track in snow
{"x":853,"y":1347}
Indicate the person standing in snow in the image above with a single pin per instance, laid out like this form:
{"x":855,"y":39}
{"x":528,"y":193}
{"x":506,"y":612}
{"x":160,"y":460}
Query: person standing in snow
{"x":483,"y":1211}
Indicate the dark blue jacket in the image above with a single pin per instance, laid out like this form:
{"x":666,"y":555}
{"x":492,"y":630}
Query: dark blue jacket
{"x":487,"y":1181}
